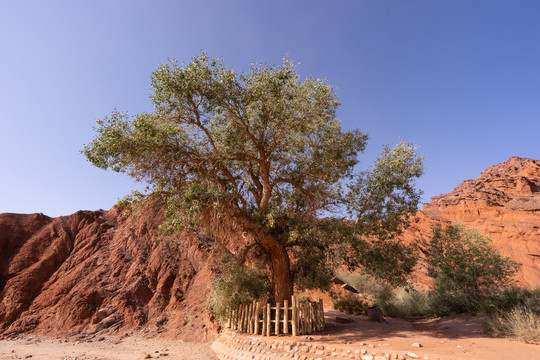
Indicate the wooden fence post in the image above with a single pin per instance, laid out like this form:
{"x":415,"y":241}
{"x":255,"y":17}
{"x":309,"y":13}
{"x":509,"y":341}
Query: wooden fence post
{"x":321,"y":315}
{"x":278,"y":315}
{"x":308,"y":315}
{"x":248,"y":318}
{"x":294,"y":316}
{"x":235,"y":317}
{"x":265,"y":319}
{"x":268,"y":319}
{"x":244,"y":315}
{"x":240,"y":316}
{"x":285,"y":316}
{"x":256,"y":319}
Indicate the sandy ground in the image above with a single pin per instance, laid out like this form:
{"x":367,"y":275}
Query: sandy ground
{"x":131,"y":348}
{"x":453,"y":338}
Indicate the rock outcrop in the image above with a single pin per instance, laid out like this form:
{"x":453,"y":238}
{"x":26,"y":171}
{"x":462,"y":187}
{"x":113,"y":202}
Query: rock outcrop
{"x":99,"y":271}
{"x":502,"y":203}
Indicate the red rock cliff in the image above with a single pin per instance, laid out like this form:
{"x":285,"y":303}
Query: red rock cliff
{"x":503,"y":203}
{"x":99,"y":271}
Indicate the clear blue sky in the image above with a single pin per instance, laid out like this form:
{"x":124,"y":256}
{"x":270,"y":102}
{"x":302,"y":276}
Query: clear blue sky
{"x":459,"y":78}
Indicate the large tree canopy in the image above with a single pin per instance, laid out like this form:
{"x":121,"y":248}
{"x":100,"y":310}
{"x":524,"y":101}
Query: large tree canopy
{"x":265,"y":149}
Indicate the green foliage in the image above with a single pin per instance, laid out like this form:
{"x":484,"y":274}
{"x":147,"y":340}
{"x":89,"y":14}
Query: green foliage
{"x":505,"y":299}
{"x":407,"y":303}
{"x":264,"y":148}
{"x":465,"y":267}
{"x":367,"y":285}
{"x":351,"y":306}
{"x":400,"y":302}
{"x":238,"y":285}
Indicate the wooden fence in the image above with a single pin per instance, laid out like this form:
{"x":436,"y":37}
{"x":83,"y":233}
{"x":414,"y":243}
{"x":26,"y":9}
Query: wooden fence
{"x":296,"y":318}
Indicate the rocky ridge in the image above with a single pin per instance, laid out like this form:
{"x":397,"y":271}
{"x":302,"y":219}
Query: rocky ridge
{"x":502,"y":203}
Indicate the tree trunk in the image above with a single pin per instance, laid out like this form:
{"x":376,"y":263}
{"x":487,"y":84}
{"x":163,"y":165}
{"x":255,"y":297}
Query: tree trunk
{"x":282,"y":280}
{"x":281,"y":274}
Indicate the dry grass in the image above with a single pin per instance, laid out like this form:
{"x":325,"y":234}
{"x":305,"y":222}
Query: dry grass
{"x":520,"y":323}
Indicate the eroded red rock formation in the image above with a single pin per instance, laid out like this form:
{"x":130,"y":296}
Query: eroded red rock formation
{"x":503,"y":203}
{"x":98,"y":271}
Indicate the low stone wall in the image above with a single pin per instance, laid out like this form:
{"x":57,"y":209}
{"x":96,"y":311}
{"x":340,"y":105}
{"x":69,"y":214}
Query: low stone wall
{"x":231,"y":345}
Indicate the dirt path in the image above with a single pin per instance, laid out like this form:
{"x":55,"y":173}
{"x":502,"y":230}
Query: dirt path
{"x":131,"y":348}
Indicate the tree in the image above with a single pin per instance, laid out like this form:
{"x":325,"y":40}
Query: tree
{"x":265,"y":149}
{"x":461,"y":260}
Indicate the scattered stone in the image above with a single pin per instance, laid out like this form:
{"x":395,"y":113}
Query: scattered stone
{"x":148,"y":356}
{"x":417,"y":345}
{"x":413,"y":355}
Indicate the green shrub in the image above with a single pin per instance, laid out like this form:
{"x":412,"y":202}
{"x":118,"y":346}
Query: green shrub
{"x":506,"y":299}
{"x":405,"y":303}
{"x":367,"y":285}
{"x":466,"y":269}
{"x":351,"y":306}
{"x":444,"y":303}
{"x":401,"y":302}
{"x":238,"y":285}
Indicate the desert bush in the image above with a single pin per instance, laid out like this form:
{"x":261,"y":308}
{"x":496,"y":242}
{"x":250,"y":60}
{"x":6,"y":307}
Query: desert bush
{"x":445,"y":302}
{"x":238,"y":285}
{"x":520,"y":323}
{"x":406,"y":303}
{"x":465,"y":267}
{"x":505,"y":299}
{"x":374,"y":289}
{"x":351,"y":306}
{"x":401,"y":302}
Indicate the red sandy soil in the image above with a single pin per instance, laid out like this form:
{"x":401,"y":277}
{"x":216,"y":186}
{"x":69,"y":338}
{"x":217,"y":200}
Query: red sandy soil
{"x":457,"y":337}
{"x":129,"y":348}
